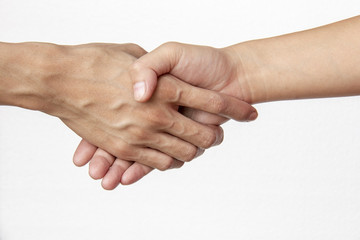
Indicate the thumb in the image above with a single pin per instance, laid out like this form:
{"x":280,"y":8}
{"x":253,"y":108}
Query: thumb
{"x":145,"y":71}
{"x":144,"y":82}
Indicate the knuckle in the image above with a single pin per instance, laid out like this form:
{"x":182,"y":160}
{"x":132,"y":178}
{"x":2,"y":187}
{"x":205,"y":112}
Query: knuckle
{"x":155,"y":120}
{"x":209,"y":140}
{"x":134,"y":47}
{"x":165,"y":164}
{"x":123,"y":151}
{"x":135,"y":67}
{"x":158,"y":119}
{"x":170,"y":44}
{"x":173,"y":49}
{"x":138,"y":136}
{"x":189,"y":153}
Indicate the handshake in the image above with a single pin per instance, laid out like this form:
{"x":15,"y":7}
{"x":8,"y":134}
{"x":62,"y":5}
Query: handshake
{"x":137,"y":111}
{"x":184,"y":93}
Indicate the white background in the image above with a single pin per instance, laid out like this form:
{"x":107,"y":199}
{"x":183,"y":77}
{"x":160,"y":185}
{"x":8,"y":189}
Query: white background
{"x":292,"y":174}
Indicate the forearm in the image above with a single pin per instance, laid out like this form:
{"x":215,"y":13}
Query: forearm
{"x":322,"y":62}
{"x":24,"y":69}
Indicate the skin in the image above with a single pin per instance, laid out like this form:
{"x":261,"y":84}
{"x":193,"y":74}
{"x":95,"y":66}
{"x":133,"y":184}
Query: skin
{"x":89,"y":88}
{"x":317,"y":63}
{"x":101,"y":163}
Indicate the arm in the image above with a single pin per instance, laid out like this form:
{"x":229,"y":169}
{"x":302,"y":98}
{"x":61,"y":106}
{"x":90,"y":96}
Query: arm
{"x":23,"y":68}
{"x":88,"y":88}
{"x":322,"y":62}
{"x":21,"y":71}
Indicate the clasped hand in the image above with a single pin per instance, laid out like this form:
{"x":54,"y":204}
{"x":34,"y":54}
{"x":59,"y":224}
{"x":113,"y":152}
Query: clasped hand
{"x":126,"y":139}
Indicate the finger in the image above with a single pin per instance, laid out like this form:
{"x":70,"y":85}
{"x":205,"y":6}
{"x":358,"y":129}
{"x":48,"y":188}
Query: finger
{"x":179,"y":164}
{"x":113,"y":176}
{"x":134,"y":173}
{"x":206,"y":100}
{"x":156,"y":159}
{"x":83,"y":153}
{"x":200,"y":135}
{"x":219,"y":133}
{"x":147,"y":156}
{"x":137,"y":171}
{"x":145,"y":70}
{"x":145,"y":87}
{"x":173,"y":146}
{"x":202,"y":117}
{"x":100,"y":164}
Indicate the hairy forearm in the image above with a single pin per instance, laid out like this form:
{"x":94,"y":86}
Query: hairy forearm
{"x":321,"y":62}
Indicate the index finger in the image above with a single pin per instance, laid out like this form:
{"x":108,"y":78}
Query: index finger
{"x":186,"y":95}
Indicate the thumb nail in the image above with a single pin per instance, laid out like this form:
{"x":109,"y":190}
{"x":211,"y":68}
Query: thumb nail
{"x":139,"y":90}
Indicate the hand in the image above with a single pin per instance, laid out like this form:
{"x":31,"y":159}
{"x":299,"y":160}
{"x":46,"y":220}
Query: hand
{"x":41,"y":76}
{"x":101,"y":161}
{"x":206,"y":67}
{"x":105,"y":166}
{"x":99,"y":107}
{"x":197,"y":115}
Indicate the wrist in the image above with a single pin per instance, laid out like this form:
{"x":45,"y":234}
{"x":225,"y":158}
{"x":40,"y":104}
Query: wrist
{"x":252,"y":74}
{"x":25,"y":68}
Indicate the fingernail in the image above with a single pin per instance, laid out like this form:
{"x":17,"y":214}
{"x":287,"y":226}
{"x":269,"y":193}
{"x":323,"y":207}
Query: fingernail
{"x":219,"y":137}
{"x":253,"y":116}
{"x":199,"y":152}
{"x":139,"y":90}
